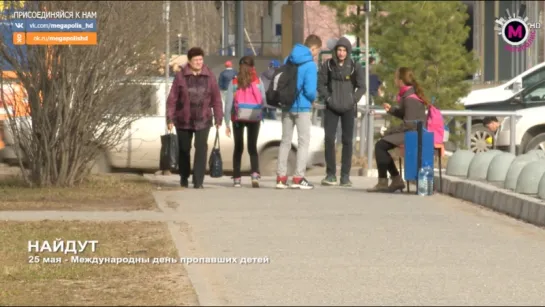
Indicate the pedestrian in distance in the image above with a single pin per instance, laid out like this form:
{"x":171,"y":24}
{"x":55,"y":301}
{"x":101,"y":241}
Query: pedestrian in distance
{"x":493,"y":125}
{"x":298,"y":114}
{"x":375,"y":84}
{"x":193,"y":96}
{"x":266,"y":78}
{"x":225,"y":78}
{"x":411,"y":108}
{"x":244,"y":108}
{"x":341,"y":83}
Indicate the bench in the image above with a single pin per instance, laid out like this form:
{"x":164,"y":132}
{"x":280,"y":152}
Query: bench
{"x":439,"y":150}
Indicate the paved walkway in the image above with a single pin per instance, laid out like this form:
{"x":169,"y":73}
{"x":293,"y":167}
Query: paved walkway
{"x":337,"y":246}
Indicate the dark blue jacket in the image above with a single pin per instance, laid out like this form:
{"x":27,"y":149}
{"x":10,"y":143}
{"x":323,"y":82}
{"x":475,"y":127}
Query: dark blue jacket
{"x":374,"y":84}
{"x":225,"y":78}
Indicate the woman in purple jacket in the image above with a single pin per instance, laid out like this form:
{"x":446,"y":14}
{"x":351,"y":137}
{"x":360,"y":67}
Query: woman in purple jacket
{"x":193,"y":96}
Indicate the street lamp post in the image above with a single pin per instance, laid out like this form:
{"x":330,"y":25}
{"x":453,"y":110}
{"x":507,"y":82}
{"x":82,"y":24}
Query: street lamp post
{"x":179,"y":44}
{"x":220,"y":5}
{"x":370,"y":124}
{"x":358,"y":11}
{"x":167,"y":52}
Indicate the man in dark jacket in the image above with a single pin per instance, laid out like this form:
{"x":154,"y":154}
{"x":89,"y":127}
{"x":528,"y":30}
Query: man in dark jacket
{"x":225,"y":78}
{"x":266,"y":78}
{"x":374,"y":80}
{"x":341,"y":83}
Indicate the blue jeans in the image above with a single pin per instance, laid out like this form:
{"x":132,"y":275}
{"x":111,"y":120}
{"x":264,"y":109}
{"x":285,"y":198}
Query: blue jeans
{"x":269,"y":113}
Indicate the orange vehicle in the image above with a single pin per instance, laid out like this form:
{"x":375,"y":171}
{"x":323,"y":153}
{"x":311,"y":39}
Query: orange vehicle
{"x":13,"y":100}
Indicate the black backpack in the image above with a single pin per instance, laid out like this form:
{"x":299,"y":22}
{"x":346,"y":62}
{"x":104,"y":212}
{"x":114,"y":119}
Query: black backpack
{"x":282,"y":90}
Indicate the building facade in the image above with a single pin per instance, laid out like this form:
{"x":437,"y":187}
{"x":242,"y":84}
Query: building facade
{"x":497,"y":63}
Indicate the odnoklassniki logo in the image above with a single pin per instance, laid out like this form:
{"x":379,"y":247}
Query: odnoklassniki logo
{"x":516,"y":30}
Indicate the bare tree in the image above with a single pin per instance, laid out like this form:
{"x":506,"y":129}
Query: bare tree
{"x":321,"y":20}
{"x":82,"y":99}
{"x":200,"y":22}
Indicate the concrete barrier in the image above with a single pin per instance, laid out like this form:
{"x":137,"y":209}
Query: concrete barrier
{"x":530,"y":176}
{"x":524,"y":207}
{"x":497,"y":171}
{"x":538,"y":153}
{"x":514,"y":185}
{"x":541,"y":188}
{"x":478,"y":168}
{"x":516,"y":167}
{"x":458,"y":163}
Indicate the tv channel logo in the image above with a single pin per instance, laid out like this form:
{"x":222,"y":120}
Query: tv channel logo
{"x":516,"y":30}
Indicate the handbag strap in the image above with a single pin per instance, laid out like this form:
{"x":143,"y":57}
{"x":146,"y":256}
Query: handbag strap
{"x":217,"y":141}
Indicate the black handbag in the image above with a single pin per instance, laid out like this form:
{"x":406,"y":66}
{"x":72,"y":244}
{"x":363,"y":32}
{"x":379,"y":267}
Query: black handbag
{"x":168,"y":160}
{"x":215,"y":164}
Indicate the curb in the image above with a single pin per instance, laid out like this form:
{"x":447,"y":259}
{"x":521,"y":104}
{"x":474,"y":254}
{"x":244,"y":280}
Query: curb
{"x":373,"y":173}
{"x":206,"y":296}
{"x":519,"y":206}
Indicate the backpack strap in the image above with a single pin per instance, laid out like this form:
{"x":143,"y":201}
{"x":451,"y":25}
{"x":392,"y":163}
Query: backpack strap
{"x":428,"y":106}
{"x":351,"y":73}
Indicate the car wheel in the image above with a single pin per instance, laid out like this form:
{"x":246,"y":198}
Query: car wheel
{"x":268,"y":160}
{"x":101,"y":164}
{"x":537,"y":142}
{"x":479,"y":135}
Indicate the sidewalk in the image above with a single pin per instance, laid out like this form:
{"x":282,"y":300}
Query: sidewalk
{"x":339,"y":246}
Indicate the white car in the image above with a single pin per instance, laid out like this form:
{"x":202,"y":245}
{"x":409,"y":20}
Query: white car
{"x":501,"y":98}
{"x":530,"y":123}
{"x":141,"y":145}
{"x":498,"y":97}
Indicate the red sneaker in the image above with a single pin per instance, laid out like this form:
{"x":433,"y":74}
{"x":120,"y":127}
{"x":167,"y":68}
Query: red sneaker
{"x":282,"y":182}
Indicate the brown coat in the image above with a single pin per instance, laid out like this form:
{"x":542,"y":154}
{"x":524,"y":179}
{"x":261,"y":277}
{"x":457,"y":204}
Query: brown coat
{"x":409,"y":110}
{"x":192,"y":99}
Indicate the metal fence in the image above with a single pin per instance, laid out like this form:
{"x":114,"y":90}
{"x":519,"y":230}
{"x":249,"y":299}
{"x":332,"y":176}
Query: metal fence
{"x":366,"y":128}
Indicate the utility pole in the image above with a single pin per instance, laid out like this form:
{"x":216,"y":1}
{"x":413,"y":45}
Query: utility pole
{"x":167,"y":53}
{"x":370,"y":121}
{"x":226,"y":30}
{"x":223,"y":36}
{"x":239,"y":33}
{"x":358,"y":11}
{"x":179,"y":44}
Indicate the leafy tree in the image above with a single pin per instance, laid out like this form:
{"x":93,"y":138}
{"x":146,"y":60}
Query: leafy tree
{"x":427,"y":36}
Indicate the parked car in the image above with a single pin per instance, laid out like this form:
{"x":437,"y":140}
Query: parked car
{"x":530,"y":123}
{"x":501,"y":98}
{"x":141,"y":145}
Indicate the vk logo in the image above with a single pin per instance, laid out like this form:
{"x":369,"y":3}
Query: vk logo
{"x":19,"y":25}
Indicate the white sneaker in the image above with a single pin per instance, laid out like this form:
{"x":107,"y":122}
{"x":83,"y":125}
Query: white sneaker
{"x":303,"y":184}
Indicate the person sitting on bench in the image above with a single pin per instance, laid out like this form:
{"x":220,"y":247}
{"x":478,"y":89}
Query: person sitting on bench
{"x":411,"y":108}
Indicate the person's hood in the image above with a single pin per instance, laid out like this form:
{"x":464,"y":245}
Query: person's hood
{"x":300,"y":54}
{"x":343,"y":42}
{"x":268,"y":74}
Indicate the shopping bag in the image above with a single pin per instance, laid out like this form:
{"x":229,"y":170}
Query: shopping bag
{"x":215,"y":163}
{"x":168,"y":160}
